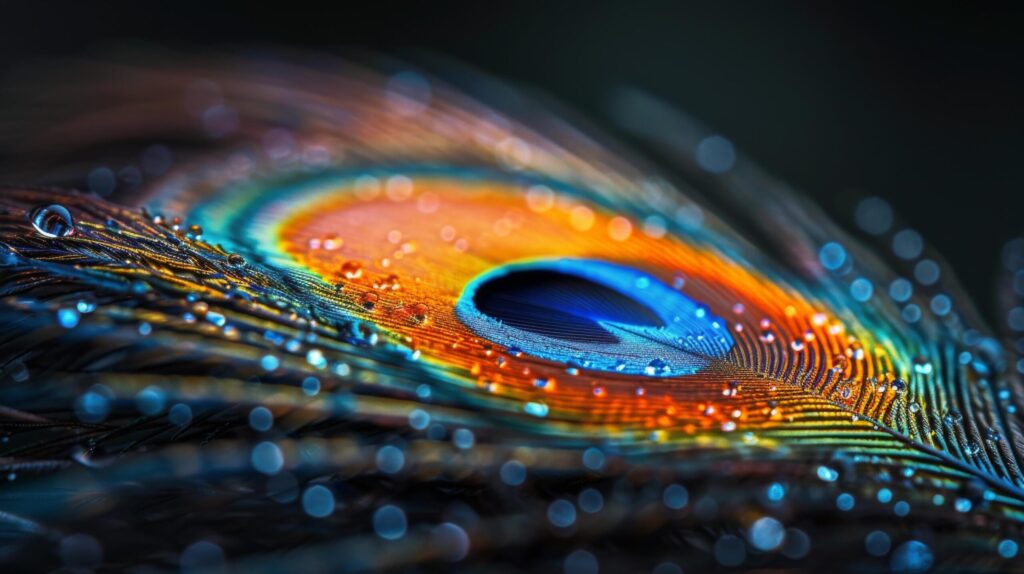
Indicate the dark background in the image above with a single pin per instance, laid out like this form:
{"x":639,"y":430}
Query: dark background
{"x":918,"y":104}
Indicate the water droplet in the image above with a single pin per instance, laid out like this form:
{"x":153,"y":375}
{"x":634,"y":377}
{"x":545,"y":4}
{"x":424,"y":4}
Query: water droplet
{"x":315,"y":357}
{"x":68,"y":318}
{"x":318,"y":502}
{"x":657,"y":367}
{"x":840,"y":362}
{"x":369,"y":300}
{"x":912,"y":557}
{"x":418,"y":311}
{"x":463,"y":439}
{"x":953,"y":417}
{"x":180,"y":415}
{"x":389,"y":283}
{"x":675,"y":496}
{"x":992,"y":434}
{"x":827,"y":474}
{"x":536,"y":409}
{"x":419,"y":420}
{"x":562,"y":513}
{"x":331,"y":242}
{"x":236,"y":260}
{"x":877,"y":543}
{"x":590,"y":500}
{"x":1007,"y":549}
{"x":731,"y":389}
{"x":390,"y":522}
{"x":845,"y":501}
{"x":884,"y":495}
{"x":593,"y":458}
{"x":513,"y":473}
{"x":922,"y":366}
{"x":53,"y":221}
{"x":766,"y":534}
{"x":351,"y":270}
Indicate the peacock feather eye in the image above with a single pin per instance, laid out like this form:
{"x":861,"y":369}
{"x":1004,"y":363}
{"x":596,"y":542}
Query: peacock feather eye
{"x":325,"y":317}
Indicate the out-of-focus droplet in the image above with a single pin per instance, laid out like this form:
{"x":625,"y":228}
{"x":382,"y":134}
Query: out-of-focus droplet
{"x":389,"y":283}
{"x":419,"y":311}
{"x":369,"y":300}
{"x":351,"y":270}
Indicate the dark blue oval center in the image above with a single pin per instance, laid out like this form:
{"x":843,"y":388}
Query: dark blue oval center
{"x":560,"y":306}
{"x":600,"y":315}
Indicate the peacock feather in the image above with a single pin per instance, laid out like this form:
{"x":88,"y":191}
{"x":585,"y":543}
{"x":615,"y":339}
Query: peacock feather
{"x":313,"y":316}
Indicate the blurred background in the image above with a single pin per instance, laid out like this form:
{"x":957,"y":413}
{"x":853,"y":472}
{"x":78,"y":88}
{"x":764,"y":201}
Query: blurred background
{"x":921,"y":106}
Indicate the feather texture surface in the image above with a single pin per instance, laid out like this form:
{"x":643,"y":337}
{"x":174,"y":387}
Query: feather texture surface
{"x":337,"y":319}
